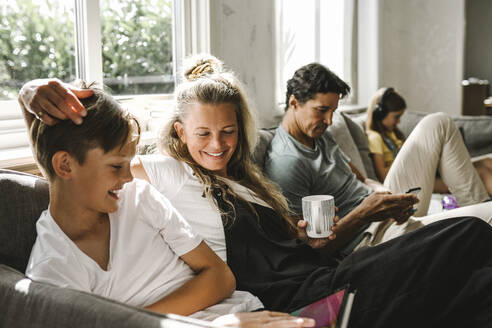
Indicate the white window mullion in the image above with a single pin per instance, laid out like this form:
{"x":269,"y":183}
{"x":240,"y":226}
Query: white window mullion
{"x":191,"y":30}
{"x":317,"y":31}
{"x":350,"y":48}
{"x":328,"y":36}
{"x":200,"y":24}
{"x":179,"y":38}
{"x":88,"y":40}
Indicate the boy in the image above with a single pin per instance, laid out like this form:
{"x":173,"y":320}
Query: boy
{"x":108,"y":234}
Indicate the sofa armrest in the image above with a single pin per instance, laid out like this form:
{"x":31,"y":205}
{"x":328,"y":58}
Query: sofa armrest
{"x":27,"y":303}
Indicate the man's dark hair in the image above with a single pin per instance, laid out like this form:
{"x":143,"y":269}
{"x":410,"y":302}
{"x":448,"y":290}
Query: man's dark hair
{"x":107,"y":125}
{"x":312,"y":79}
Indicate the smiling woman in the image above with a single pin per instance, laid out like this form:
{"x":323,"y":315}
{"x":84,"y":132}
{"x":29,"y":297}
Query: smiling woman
{"x":213,"y":130}
{"x":210,"y":131}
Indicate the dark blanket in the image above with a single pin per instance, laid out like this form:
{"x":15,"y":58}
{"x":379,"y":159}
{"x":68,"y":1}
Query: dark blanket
{"x":437,"y":276}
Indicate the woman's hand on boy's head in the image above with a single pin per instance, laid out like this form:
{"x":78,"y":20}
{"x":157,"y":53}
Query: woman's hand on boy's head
{"x":51,"y":100}
{"x":263,"y":319}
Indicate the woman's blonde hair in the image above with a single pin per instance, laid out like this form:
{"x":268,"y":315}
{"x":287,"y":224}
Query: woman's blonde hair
{"x":208,"y":83}
{"x":393,"y":103}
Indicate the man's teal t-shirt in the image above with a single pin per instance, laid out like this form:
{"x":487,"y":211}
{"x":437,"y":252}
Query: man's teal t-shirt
{"x":301,"y":171}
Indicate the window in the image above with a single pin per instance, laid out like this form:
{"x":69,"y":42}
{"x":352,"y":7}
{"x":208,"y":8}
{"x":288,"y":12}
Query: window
{"x":126,"y":44}
{"x":31,"y":47}
{"x":314,"y":31}
{"x":30,"y":44}
{"x":137,"y":52}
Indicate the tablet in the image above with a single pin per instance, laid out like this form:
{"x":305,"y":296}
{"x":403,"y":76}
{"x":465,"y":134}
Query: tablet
{"x":332,"y":311}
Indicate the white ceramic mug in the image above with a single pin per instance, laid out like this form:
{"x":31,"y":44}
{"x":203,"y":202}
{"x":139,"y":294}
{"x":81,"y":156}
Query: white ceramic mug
{"x":319,"y":212}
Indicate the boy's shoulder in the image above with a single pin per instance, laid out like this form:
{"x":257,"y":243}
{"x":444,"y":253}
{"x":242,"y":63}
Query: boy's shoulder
{"x":138,"y":194}
{"x":138,"y":191}
{"x":52,"y":258}
{"x":141,"y":201}
{"x":50,"y":234}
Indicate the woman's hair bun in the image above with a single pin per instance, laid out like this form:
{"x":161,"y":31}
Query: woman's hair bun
{"x":201,"y":65}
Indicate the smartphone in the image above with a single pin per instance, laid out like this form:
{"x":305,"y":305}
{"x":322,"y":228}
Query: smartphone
{"x":414,"y":191}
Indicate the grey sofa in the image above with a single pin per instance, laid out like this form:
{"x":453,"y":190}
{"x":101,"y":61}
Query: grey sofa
{"x":22,"y":198}
{"x":24,"y":303}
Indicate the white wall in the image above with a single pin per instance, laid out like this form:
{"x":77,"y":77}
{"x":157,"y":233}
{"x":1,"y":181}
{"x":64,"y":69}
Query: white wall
{"x":415,"y":46}
{"x":421,"y":47}
{"x":243,"y":36}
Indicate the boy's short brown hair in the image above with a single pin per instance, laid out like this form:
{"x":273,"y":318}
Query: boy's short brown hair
{"x":107,"y":125}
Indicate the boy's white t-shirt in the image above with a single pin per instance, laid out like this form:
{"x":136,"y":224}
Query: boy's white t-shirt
{"x":147,"y":237}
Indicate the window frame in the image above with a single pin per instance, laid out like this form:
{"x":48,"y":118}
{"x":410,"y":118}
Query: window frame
{"x":191,"y":35}
{"x":349,"y":49}
{"x":88,"y":27}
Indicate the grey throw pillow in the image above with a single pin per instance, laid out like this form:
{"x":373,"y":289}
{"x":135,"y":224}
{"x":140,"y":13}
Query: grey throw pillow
{"x":356,"y":128}
{"x":343,"y":137}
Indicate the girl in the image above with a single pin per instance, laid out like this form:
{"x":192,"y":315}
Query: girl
{"x":385,"y":139}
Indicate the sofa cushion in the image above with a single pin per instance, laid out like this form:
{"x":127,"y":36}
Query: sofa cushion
{"x":339,"y":130}
{"x":265,"y":136}
{"x":26,"y":303}
{"x":356,"y":127}
{"x":24,"y":197}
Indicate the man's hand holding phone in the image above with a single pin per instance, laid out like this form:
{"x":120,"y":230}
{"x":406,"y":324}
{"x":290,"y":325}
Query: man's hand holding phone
{"x":414,"y":191}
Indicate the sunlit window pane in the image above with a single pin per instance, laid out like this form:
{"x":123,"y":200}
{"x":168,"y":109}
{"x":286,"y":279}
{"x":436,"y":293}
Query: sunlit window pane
{"x":36,"y":41}
{"x":332,"y":35}
{"x":309,"y":31}
{"x":298,"y":35}
{"x":137,"y":46}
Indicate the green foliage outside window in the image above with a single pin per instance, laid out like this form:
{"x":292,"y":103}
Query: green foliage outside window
{"x":37,"y":41}
{"x":137,"y":42}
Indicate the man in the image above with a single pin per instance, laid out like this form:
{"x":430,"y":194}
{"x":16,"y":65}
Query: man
{"x":304,"y":160}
